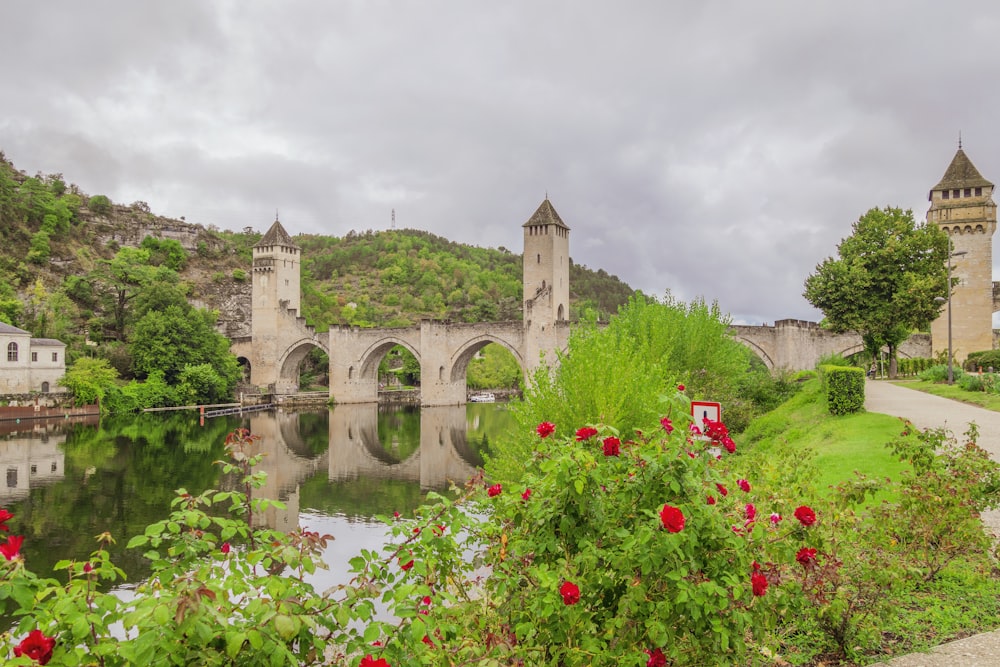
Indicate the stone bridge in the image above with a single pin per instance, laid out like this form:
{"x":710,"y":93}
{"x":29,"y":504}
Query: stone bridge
{"x":798,"y":345}
{"x":280,"y":338}
{"x":443,"y":350}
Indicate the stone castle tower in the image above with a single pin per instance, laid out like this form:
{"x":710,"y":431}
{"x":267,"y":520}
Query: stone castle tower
{"x":276,"y":294}
{"x":962,"y":205}
{"x":546,"y":283}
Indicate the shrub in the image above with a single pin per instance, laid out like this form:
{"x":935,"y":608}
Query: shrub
{"x":970,"y":382}
{"x":239,"y":275}
{"x":99,"y":204}
{"x":985,"y":360}
{"x":845,"y":389}
{"x":939,"y":373}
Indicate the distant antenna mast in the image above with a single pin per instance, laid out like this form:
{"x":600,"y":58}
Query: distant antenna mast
{"x":275,"y":215}
{"x":959,"y":140}
{"x":393,"y":218}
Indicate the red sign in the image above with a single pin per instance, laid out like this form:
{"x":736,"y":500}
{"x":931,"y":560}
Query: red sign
{"x":701,"y":410}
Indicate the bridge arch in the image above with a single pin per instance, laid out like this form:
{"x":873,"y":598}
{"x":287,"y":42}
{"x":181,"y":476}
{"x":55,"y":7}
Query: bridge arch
{"x":372,"y":357}
{"x":464,"y":354}
{"x":758,"y":350}
{"x":291,"y":358}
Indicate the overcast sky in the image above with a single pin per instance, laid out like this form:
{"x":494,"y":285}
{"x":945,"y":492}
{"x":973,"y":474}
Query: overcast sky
{"x":710,"y":148}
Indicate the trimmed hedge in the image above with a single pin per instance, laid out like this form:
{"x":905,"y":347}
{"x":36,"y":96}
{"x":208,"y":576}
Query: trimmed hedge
{"x":845,"y":389}
{"x":984,"y":359}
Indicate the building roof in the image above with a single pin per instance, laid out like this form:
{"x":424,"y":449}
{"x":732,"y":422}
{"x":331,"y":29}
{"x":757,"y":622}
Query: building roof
{"x":276,"y":235}
{"x":961,"y":173}
{"x":9,"y":329}
{"x":47,"y":342}
{"x":545,"y":215}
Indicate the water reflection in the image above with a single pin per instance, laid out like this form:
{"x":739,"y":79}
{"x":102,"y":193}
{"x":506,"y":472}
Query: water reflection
{"x":69,"y":480}
{"x":369,"y":447}
{"x":31,"y":454}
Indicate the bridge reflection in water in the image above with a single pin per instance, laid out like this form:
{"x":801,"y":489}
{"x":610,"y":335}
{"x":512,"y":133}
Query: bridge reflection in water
{"x":440,"y":455}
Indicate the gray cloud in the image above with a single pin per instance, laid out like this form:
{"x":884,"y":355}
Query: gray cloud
{"x":712,"y":149}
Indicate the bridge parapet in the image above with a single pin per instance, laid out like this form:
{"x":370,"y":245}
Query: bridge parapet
{"x":799,"y":344}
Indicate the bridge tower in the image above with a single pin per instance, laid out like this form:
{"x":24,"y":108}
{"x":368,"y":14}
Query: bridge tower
{"x":962,"y":205}
{"x":276,"y":295}
{"x":546,"y":285}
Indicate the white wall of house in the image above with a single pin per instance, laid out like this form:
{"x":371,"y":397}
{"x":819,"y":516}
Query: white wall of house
{"x":30,"y":364}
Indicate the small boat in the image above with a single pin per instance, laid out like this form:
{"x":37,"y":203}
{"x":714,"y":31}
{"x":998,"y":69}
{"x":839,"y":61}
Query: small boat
{"x":483,"y":397}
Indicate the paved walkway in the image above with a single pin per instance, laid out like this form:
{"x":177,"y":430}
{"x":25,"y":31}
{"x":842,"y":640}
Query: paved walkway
{"x":929,"y":411}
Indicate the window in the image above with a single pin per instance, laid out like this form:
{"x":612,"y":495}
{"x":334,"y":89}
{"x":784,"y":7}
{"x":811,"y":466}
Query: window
{"x":11,"y":478}
{"x":968,"y":192}
{"x":12,"y":352}
{"x":979,"y":192}
{"x":55,"y":356}
{"x":955,"y":193}
{"x":945,"y":194}
{"x":34,"y":356}
{"x":45,"y":387}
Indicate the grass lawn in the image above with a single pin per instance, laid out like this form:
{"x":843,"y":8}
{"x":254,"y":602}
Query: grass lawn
{"x":839,"y":445}
{"x":983,"y":399}
{"x":911,"y":613}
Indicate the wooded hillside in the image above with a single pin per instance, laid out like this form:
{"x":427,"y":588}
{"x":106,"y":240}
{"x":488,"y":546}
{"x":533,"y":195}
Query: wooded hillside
{"x":63,"y":273}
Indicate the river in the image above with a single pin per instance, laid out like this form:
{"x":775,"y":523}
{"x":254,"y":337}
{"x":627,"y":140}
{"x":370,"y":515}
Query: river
{"x":336,"y":469}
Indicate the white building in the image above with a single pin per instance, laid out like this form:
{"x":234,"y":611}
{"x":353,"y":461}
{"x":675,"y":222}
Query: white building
{"x":30,"y":364}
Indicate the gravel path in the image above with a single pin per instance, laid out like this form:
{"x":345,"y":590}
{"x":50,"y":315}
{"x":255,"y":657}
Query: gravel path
{"x":929,"y":411}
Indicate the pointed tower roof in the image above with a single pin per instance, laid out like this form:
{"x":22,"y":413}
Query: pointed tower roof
{"x":545,"y":215}
{"x":961,"y":173}
{"x":276,"y":235}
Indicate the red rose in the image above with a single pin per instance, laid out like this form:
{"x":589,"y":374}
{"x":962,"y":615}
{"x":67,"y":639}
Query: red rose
{"x":805,"y":515}
{"x":611,"y":446}
{"x":711,"y":500}
{"x":5,"y":516}
{"x":407,"y":565}
{"x":667,"y":425}
{"x":806,"y":557}
{"x":494,"y":490}
{"x":751,"y":512}
{"x":680,"y":387}
{"x":722,"y":489}
{"x":775,"y":518}
{"x":545,"y":429}
{"x":744,"y":485}
{"x":11,"y":549}
{"x":225,"y":548}
{"x":526,"y":495}
{"x":570,"y":592}
{"x":584,"y":433}
{"x":728,"y":443}
{"x":759,"y":583}
{"x":369,"y":661}
{"x":672,"y":518}
{"x":36,"y":646}
{"x":656,"y":658}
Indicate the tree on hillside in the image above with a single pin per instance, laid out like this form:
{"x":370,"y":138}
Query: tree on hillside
{"x":885,"y":280}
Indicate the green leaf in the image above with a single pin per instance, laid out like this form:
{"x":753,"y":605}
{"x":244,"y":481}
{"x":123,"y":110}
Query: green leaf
{"x":234,"y":643}
{"x":137,"y":541}
{"x":286,"y":626}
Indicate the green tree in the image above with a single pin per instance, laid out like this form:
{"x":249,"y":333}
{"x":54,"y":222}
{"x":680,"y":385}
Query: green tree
{"x":178,"y":337}
{"x":99,"y":204}
{"x":11,"y":308}
{"x":885,"y":280}
{"x":494,"y":368}
{"x":89,"y":380}
{"x":121,"y":279}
